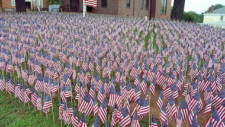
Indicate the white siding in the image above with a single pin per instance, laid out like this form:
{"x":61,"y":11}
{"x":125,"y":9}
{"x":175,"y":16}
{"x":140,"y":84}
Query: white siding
{"x":208,"y":18}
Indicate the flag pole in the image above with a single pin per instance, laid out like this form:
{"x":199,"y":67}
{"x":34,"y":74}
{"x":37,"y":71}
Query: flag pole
{"x":84,"y":9}
{"x":53,"y":114}
{"x":149,"y":106}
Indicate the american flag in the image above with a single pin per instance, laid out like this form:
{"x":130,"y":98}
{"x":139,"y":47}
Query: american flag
{"x":219,"y":98}
{"x":112,"y":96}
{"x":39,"y":83}
{"x":137,"y":93}
{"x":95,"y":107}
{"x":96,"y":122}
{"x":86,"y":105}
{"x":83,"y":121}
{"x":47,"y":103}
{"x":115,"y":119}
{"x":144,"y":109}
{"x":194,"y":122}
{"x":61,"y":109}
{"x":221,"y":111}
{"x":184,"y":110}
{"x":152,"y":86}
{"x":171,"y":108}
{"x":137,"y":80}
{"x":10,"y":86}
{"x":135,"y":70}
{"x":2,"y":84}
{"x":216,"y":120}
{"x":54,"y":86}
{"x":125,"y":120}
{"x":167,"y":92}
{"x":179,"y":119}
{"x":102,"y":111}
{"x":143,"y":85}
{"x":165,"y":123}
{"x":163,"y":114}
{"x":92,"y":3}
{"x":135,"y":121}
{"x":194,"y":101}
{"x":160,"y":100}
{"x":39,"y":103}
{"x":66,"y":116}
{"x":153,"y":122}
{"x":92,"y":90}
{"x":101,"y":94}
{"x":27,"y":92}
{"x":208,"y":107}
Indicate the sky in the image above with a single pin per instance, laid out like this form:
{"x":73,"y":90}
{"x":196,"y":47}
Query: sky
{"x":200,"y":6}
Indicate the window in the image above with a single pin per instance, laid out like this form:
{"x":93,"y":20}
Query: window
{"x":128,"y":3}
{"x":221,"y":18}
{"x":147,"y":4}
{"x":13,"y":3}
{"x":163,"y":6}
{"x":104,"y":3}
{"x":141,"y":4}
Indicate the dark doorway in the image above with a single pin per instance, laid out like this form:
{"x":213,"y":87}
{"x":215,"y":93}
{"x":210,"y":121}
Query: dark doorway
{"x":89,"y":9}
{"x":28,"y":5}
{"x":20,"y":6}
{"x":152,"y":9}
{"x":74,"y":5}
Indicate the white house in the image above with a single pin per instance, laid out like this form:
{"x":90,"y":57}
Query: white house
{"x":215,"y":17}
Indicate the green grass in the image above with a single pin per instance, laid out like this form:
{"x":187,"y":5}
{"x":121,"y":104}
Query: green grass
{"x":15,"y":114}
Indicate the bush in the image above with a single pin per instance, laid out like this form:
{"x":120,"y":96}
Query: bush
{"x":192,"y":17}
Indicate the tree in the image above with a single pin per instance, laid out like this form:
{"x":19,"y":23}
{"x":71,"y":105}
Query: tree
{"x":178,"y":9}
{"x":217,"y":6}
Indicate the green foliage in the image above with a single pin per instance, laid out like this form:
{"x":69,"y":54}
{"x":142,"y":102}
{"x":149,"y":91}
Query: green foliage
{"x":155,"y":46}
{"x":55,"y":2}
{"x":147,"y":37}
{"x":192,"y":17}
{"x":16,"y":114}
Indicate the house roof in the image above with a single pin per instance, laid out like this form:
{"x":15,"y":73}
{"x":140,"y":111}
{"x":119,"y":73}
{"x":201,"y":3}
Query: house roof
{"x":219,"y":11}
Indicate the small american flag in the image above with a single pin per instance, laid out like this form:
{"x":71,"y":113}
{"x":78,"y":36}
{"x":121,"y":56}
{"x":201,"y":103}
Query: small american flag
{"x":125,"y":120}
{"x":184,"y":110}
{"x":163,"y":114}
{"x":96,"y":122}
{"x":160,"y":100}
{"x":74,"y":119}
{"x":47,"y":103}
{"x":135,"y":121}
{"x":83,"y":121}
{"x":102,"y":112}
{"x":153,"y":122}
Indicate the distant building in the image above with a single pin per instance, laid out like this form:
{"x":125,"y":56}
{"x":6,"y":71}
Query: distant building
{"x":215,"y":17}
{"x":10,"y":5}
{"x":134,"y":8}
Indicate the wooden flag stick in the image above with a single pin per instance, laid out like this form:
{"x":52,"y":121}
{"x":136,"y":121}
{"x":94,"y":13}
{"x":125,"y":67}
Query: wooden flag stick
{"x":149,"y":107}
{"x":53,"y":114}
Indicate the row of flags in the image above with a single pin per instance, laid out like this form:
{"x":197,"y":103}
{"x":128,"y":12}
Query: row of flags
{"x":102,"y":70}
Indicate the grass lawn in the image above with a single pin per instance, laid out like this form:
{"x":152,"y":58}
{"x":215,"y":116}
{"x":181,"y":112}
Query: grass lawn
{"x":15,"y":114}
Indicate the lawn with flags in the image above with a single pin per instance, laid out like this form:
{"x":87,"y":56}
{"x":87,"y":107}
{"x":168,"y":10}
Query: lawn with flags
{"x":101,"y":70}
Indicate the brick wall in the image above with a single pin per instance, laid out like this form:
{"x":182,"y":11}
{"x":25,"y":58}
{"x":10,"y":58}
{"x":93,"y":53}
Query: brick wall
{"x":7,"y":4}
{"x":112,"y":7}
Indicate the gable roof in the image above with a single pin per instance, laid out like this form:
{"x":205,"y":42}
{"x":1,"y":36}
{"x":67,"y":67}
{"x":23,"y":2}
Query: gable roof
{"x":219,"y":11}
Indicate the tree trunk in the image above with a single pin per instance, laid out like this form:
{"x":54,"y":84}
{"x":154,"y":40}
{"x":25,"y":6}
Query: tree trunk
{"x":178,"y":9}
{"x":20,"y":6}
